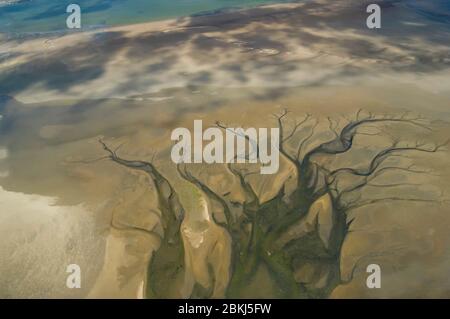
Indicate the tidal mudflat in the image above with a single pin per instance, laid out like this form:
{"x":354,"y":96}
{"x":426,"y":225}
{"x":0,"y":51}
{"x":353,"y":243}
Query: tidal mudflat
{"x":129,"y":86}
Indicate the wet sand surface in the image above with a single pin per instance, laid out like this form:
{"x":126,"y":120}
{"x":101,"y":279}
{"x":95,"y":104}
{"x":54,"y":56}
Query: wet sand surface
{"x":134,"y":84}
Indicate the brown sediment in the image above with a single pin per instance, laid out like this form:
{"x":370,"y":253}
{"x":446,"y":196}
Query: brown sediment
{"x":120,"y":84}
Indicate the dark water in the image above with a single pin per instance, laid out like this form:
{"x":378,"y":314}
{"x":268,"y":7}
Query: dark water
{"x":50,"y":15}
{"x":436,"y":10}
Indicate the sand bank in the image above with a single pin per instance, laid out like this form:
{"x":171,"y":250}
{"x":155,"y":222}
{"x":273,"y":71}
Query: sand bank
{"x":136,"y":83}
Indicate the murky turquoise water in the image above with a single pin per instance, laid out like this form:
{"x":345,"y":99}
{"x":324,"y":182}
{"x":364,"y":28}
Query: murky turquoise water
{"x":50,"y":15}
